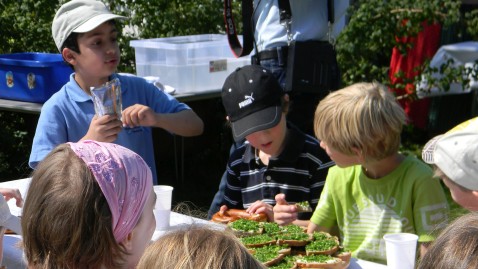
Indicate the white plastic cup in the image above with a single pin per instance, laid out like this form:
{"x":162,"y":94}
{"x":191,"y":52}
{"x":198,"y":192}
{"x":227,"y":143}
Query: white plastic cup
{"x":162,"y":208}
{"x":401,"y":250}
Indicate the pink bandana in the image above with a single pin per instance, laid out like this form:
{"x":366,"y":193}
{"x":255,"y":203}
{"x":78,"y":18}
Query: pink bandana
{"x":124,"y":178}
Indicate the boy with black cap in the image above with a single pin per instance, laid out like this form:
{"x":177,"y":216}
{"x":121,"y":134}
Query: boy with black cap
{"x":276,"y":157}
{"x":84,"y":32}
{"x":455,"y":157}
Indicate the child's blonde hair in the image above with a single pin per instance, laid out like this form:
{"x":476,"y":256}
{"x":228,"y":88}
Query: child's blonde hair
{"x":198,"y":247}
{"x":364,"y":116}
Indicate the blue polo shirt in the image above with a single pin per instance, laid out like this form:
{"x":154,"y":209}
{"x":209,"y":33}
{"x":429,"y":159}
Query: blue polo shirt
{"x":67,"y":115}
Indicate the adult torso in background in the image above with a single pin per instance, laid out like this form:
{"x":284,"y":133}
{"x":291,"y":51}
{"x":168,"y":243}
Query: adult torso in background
{"x":309,"y":21}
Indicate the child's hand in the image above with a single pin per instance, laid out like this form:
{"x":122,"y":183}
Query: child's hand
{"x":283,"y":212}
{"x":104,"y":128}
{"x":12,"y":193}
{"x":223,"y":209}
{"x":261,"y":207}
{"x":138,"y":115}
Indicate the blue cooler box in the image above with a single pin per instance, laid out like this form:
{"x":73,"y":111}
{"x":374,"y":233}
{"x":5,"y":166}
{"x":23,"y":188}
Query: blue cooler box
{"x":32,"y":77}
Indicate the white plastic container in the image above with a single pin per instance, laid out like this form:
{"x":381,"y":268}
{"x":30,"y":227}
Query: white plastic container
{"x":188,"y":63}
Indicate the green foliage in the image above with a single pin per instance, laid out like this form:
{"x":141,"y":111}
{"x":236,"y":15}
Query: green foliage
{"x":365,"y":46}
{"x":471,"y":23}
{"x":14,"y":146}
{"x":26,"y":26}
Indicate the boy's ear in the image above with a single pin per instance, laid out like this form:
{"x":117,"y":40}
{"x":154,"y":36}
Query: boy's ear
{"x":68,"y":55}
{"x":359,"y":153}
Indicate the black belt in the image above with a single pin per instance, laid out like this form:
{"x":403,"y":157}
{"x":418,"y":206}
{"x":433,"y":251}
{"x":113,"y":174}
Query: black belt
{"x":278,"y":53}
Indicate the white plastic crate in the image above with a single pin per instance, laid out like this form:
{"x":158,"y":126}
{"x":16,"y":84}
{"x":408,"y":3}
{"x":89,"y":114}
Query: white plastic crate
{"x":187,"y":63}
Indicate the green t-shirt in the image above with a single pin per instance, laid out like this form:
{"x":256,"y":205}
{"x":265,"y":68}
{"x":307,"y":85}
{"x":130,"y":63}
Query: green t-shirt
{"x":408,"y":200}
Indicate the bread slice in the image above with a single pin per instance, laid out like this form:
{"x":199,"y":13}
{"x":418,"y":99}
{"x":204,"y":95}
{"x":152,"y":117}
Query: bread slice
{"x":256,"y":241}
{"x":294,"y":239}
{"x":326,"y":246}
{"x":243,"y":227}
{"x":344,"y":255}
{"x":321,"y":261}
{"x":270,"y":255}
{"x":303,"y":206}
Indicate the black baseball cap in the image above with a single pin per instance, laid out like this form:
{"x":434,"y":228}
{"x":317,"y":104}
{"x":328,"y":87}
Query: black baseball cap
{"x":252,"y":98}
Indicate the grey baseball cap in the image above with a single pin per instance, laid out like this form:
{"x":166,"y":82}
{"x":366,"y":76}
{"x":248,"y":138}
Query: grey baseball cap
{"x":79,"y":16}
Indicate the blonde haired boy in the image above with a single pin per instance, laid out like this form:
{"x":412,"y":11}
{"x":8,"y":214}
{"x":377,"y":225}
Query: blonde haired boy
{"x":373,"y":190}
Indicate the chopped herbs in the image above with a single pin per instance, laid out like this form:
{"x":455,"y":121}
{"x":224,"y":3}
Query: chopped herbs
{"x":292,"y":228}
{"x":322,"y":245}
{"x":304,"y":206}
{"x":266,"y":244}
{"x":267,"y":253}
{"x":271,"y":227}
{"x":245,"y":225}
{"x":294,"y":236}
{"x":257,"y":239}
{"x":287,"y":263}
{"x":321,"y":235}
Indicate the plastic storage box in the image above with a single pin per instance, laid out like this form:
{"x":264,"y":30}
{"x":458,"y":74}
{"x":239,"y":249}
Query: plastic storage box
{"x":187,"y":63}
{"x":32,"y":77}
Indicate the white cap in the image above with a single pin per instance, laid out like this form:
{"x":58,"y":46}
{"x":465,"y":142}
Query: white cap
{"x":8,"y":220}
{"x":456,"y":154}
{"x":79,"y":16}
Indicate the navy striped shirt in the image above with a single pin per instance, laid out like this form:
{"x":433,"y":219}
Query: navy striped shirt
{"x":299,"y":172}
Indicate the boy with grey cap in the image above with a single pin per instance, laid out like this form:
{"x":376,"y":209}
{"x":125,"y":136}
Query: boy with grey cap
{"x":85,"y":34}
{"x":276,"y":156}
{"x":455,"y":157}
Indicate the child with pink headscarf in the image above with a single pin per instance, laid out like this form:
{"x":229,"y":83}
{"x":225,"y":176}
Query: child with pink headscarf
{"x":90,"y":205}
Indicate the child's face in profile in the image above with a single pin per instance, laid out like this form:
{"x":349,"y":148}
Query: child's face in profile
{"x":270,"y":141}
{"x":465,"y":198}
{"x":100,"y":53}
{"x":340,"y":159}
